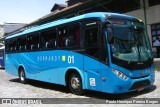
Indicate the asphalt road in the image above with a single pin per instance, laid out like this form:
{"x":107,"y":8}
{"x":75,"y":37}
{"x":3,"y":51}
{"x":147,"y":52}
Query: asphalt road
{"x":10,"y":87}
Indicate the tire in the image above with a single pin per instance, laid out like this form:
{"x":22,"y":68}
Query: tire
{"x":75,"y":84}
{"x":22,"y":76}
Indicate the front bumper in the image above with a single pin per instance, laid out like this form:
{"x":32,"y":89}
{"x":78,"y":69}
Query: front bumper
{"x":123,"y":86}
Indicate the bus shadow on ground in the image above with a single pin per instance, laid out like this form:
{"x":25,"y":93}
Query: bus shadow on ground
{"x":44,"y":85}
{"x":2,"y":68}
{"x":88,"y":93}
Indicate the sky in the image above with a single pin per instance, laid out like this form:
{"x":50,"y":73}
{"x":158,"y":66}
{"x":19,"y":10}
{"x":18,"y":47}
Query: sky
{"x":25,"y":11}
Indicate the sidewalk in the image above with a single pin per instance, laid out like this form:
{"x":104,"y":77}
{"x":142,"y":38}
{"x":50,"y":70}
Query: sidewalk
{"x":157,"y":62}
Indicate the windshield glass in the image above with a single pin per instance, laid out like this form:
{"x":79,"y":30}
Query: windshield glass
{"x":131,"y":42}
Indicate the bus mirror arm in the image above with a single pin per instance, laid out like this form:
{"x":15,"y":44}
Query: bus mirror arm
{"x":106,"y":23}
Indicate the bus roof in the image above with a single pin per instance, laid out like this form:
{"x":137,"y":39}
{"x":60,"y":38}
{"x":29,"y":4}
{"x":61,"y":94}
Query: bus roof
{"x":101,"y":15}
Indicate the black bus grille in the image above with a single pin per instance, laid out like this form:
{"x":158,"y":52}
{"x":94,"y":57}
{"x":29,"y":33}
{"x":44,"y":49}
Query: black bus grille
{"x":139,"y":77}
{"x":139,"y":84}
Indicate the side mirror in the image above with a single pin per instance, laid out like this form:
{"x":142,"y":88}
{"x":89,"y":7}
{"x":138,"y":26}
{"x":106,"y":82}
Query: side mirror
{"x":110,"y":32}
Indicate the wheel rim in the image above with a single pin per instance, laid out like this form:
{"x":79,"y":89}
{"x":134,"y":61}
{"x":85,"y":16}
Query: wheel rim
{"x":75,"y":82}
{"x":22,"y":76}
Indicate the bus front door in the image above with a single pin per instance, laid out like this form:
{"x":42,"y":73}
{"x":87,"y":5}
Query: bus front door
{"x":92,"y":58}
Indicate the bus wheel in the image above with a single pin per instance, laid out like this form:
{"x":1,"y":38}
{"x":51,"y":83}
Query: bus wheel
{"x":75,"y":84}
{"x":22,"y":76}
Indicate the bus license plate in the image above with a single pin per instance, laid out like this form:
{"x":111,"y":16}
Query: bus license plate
{"x":140,"y":88}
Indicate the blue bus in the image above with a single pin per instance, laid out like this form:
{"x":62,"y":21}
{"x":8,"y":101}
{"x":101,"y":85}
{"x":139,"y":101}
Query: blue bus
{"x":2,"y":56}
{"x":100,"y":51}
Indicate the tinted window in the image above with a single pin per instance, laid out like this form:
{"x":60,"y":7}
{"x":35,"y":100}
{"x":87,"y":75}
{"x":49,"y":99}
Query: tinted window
{"x":48,"y":39}
{"x":73,"y":39}
{"x":91,"y":42}
{"x":12,"y":45}
{"x":21,"y":44}
{"x":62,"y":37}
{"x":33,"y":42}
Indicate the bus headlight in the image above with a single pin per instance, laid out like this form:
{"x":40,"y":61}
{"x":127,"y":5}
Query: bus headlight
{"x":120,"y":74}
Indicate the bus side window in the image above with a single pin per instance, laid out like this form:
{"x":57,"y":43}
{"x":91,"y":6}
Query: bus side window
{"x":29,"y":39}
{"x":21,"y":44}
{"x":44,"y":40}
{"x":62,"y":37}
{"x":48,"y":39}
{"x":91,"y":42}
{"x":33,"y":42}
{"x":52,"y":39}
{"x":8,"y":46}
{"x":12,"y":45}
{"x":74,"y":34}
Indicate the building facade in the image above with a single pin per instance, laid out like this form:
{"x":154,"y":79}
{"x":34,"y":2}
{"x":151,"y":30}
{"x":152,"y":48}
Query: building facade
{"x":149,"y":13}
{"x":10,"y":27}
{"x":1,"y":31}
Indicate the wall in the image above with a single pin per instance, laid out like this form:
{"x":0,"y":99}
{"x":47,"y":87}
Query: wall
{"x":1,"y":31}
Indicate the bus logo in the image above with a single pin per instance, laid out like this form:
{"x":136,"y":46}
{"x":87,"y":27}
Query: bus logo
{"x":63,"y":58}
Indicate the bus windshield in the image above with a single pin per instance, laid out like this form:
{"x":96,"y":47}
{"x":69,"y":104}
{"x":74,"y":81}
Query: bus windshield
{"x":131,"y":42}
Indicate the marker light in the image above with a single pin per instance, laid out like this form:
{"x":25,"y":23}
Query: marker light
{"x":120,"y":74}
{"x":152,"y":71}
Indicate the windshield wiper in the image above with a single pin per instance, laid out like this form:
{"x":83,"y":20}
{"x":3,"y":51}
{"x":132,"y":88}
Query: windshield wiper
{"x":145,"y":51}
{"x":137,"y":41}
{"x":139,"y":55}
{"x":136,"y":44}
{"x":130,"y":59}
